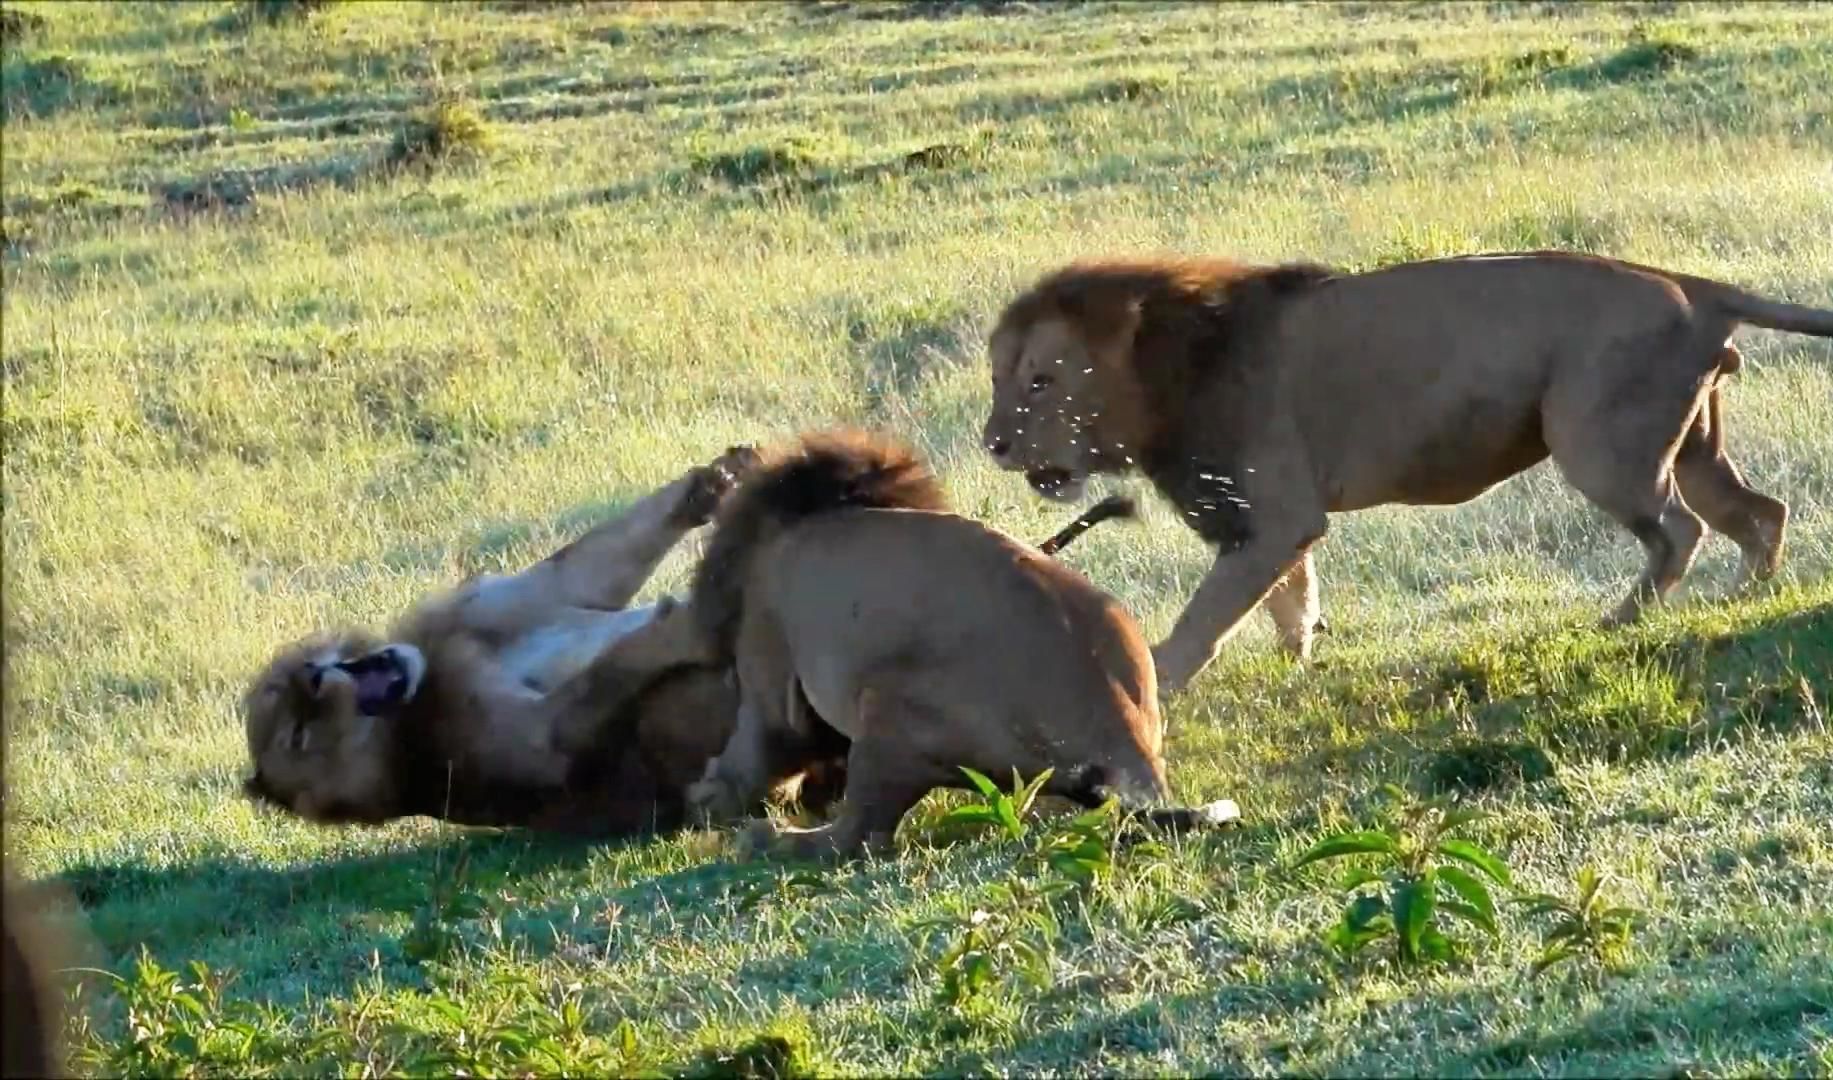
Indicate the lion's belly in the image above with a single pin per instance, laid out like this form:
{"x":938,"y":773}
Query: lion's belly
{"x":549,"y":655}
{"x":1438,"y":445}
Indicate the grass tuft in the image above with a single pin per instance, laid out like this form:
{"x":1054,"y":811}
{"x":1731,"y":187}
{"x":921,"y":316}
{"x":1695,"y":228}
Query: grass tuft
{"x":449,"y":130}
{"x":275,"y":12}
{"x":798,"y":155}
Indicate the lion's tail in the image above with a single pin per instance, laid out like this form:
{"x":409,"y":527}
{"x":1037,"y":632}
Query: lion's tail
{"x":1143,"y":793}
{"x":820,"y":474}
{"x":1750,"y":308}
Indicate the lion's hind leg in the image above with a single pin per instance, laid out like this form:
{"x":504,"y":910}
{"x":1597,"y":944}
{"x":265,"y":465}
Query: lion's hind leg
{"x":1715,"y":488}
{"x":1615,"y":441}
{"x":1293,"y":603}
{"x":886,"y":775}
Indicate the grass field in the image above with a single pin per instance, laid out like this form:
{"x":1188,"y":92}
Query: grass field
{"x":286,"y":344}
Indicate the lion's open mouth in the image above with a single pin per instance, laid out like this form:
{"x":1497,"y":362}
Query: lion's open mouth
{"x":382,"y":678}
{"x":1059,"y":484}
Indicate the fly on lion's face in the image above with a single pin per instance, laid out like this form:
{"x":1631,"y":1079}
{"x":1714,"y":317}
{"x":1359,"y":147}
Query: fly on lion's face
{"x":1047,"y":416}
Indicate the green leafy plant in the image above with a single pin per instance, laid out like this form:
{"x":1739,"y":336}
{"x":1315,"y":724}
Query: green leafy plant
{"x":1587,"y":925}
{"x":997,"y":808}
{"x":434,"y":934}
{"x":1013,"y":931}
{"x":1426,"y":873}
{"x":180,"y":1027}
{"x":1011,"y":934}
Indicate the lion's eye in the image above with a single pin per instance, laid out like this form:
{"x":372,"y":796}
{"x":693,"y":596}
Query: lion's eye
{"x":1041,"y":382}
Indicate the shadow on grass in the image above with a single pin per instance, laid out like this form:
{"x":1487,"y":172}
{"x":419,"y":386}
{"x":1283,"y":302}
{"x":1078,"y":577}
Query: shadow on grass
{"x":1500,"y":713}
{"x":320,"y":924}
{"x":1758,"y":1008}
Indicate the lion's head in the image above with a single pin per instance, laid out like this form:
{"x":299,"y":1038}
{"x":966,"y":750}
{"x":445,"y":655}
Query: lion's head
{"x":1064,"y":403}
{"x":1093,"y":364}
{"x":315,"y":720}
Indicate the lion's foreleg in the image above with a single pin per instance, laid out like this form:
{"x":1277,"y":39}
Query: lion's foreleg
{"x":1237,"y":582}
{"x":739,"y":776}
{"x":605,"y":567}
{"x":886,"y":776}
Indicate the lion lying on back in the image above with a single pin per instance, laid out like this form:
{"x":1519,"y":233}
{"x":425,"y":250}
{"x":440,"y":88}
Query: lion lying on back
{"x":864,"y":618}
{"x":533,"y":699}
{"x":1261,"y":399}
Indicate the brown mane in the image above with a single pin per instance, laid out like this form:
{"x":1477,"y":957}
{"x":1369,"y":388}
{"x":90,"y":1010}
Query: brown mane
{"x":820,"y":473}
{"x":1181,"y":314}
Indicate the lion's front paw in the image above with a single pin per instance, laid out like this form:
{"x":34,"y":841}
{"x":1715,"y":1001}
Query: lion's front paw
{"x":738,"y":461}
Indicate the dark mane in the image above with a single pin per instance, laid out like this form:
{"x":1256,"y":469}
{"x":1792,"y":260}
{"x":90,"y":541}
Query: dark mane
{"x":1181,"y":324}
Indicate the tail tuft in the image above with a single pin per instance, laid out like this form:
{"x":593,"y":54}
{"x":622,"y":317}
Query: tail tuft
{"x":822,"y":473}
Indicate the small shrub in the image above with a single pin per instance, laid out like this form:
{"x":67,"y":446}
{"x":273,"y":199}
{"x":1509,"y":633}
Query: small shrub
{"x":43,"y":82}
{"x":1651,"y":51}
{"x":1415,"y":243}
{"x":797,"y":155}
{"x":1586,"y":926}
{"x":938,"y":156}
{"x":998,"y":808}
{"x":435,"y":935}
{"x":180,"y":1028}
{"x":449,"y":129}
{"x":1481,"y":764}
{"x":1010,"y":935}
{"x":764,"y":1057}
{"x":1536,"y":61}
{"x":1427,"y":873}
{"x":1134,"y":88}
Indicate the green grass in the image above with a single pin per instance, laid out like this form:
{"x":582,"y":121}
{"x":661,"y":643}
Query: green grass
{"x":259,"y":377}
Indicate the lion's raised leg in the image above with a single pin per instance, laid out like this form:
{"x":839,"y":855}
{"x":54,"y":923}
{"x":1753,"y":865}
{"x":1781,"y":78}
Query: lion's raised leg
{"x":1293,"y":603}
{"x":605,"y":567}
{"x":1714,"y":488}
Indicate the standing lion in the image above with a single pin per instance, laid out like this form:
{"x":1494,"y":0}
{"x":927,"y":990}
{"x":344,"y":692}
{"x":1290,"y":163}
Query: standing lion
{"x":1261,"y":399}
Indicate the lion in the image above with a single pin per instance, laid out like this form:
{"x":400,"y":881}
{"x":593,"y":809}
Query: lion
{"x":862,"y":616}
{"x":536,"y":699}
{"x":1260,"y":399}
{"x":579,"y":716}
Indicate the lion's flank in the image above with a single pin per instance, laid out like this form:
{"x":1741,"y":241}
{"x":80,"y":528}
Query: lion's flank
{"x":822,"y":473}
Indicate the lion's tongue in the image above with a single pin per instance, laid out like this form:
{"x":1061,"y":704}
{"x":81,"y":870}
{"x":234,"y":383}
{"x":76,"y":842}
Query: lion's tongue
{"x":373,"y":686}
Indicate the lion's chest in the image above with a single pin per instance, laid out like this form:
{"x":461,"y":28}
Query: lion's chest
{"x":1208,"y":497}
{"x":560,"y":648}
